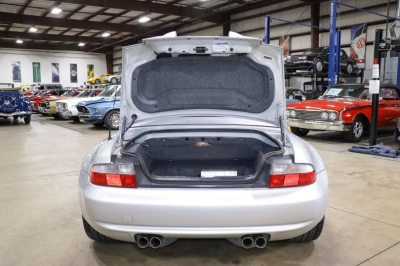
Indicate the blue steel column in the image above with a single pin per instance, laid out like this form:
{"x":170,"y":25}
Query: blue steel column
{"x":267,"y":35}
{"x":332,"y":35}
{"x":337,"y":63}
{"x":398,"y":70}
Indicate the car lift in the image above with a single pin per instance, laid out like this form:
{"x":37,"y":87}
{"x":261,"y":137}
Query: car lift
{"x":380,"y":45}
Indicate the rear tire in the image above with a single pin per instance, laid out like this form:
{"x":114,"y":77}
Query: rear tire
{"x":311,"y":235}
{"x":301,"y":132}
{"x":27,"y":119}
{"x":112,"y":120}
{"x":98,"y":82}
{"x":93,"y":234}
{"x":319,"y":65}
{"x":357,"y":130}
{"x":76,"y":119}
{"x":113,"y":81}
{"x":349,"y":68}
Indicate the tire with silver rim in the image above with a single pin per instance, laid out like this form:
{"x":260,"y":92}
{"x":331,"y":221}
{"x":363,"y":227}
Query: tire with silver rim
{"x":291,"y":96}
{"x":319,"y":65}
{"x":98,"y":81}
{"x":356,"y":131}
{"x":349,"y":68}
{"x":112,"y":120}
{"x":114,"y":81}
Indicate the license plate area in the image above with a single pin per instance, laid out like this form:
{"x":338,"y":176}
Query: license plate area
{"x":217,"y":173}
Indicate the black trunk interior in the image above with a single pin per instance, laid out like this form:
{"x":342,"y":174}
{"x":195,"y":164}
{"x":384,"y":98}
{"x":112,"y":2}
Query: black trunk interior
{"x":188,"y":156}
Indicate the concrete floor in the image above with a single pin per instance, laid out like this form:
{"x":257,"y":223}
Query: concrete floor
{"x":40,"y":219}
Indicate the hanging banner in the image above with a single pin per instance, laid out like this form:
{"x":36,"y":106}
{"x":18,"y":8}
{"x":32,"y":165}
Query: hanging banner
{"x":90,"y":71}
{"x":358,"y":43}
{"x":55,"y":72}
{"x":16,"y":71}
{"x":284,"y":42}
{"x":73,"y":73}
{"x":36,"y":72}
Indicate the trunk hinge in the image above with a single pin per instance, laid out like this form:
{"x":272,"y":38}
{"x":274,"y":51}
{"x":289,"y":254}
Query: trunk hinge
{"x":283,"y":135}
{"x":125,"y":128}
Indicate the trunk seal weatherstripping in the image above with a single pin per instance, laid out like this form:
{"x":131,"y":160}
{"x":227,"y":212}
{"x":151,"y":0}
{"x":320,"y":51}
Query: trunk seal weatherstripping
{"x":248,"y":180}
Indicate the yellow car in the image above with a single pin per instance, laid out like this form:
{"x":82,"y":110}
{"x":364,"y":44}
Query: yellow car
{"x":97,"y":80}
{"x":25,"y":88}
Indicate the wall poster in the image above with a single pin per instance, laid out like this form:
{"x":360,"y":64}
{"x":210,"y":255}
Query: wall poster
{"x":90,"y":71}
{"x":55,"y":72}
{"x":16,"y":71}
{"x":358,"y":43}
{"x":36,"y":72}
{"x":284,"y":42}
{"x":73,"y":73}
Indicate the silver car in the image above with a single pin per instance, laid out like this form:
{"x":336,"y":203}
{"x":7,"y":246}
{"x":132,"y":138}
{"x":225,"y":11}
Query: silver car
{"x":203,"y":150}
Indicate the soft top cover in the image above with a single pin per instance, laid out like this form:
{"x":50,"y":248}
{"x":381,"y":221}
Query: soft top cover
{"x":202,"y":82}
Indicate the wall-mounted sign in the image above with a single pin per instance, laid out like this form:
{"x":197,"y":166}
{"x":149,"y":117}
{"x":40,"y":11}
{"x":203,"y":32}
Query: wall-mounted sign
{"x":55,"y":72}
{"x":358,"y":43}
{"x":16,"y":71}
{"x":36,"y":72}
{"x":73,"y":70}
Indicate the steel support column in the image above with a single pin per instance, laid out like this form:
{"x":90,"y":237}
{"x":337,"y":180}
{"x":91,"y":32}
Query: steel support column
{"x":110,"y":63}
{"x":332,"y":39}
{"x":315,"y":14}
{"x":337,"y":61}
{"x":267,"y":32}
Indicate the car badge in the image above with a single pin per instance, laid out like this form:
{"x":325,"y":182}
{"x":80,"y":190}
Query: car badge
{"x":6,"y":102}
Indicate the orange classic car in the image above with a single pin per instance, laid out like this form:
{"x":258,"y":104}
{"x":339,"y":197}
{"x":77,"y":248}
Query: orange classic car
{"x":345,"y":108}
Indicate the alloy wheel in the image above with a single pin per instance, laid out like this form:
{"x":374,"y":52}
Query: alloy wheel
{"x":114,"y":120}
{"x":358,"y":129}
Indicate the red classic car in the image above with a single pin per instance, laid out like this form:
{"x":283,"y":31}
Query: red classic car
{"x":345,"y":108}
{"x":37,"y":98}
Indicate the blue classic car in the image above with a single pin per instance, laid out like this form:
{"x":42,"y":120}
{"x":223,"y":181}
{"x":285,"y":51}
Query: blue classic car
{"x":13,"y":104}
{"x":104,"y":111}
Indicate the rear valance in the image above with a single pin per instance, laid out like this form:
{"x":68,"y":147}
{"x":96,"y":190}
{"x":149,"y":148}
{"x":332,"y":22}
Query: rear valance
{"x":208,"y":82}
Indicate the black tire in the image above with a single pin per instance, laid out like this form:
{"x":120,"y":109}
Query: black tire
{"x":311,"y":235}
{"x":93,"y":234}
{"x":108,"y":120}
{"x":56,"y":116}
{"x":349,"y":68}
{"x":98,"y":124}
{"x":396,"y":135}
{"x":319,"y":65}
{"x":90,"y":83}
{"x":98,"y":81}
{"x":301,"y":132}
{"x":76,"y":119}
{"x":113,"y":81}
{"x":16,"y":117}
{"x":27,"y":119}
{"x":357,"y":130}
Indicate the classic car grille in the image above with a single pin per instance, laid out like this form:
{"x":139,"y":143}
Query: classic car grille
{"x":82,"y":109}
{"x":308,"y":115}
{"x":43,"y":104}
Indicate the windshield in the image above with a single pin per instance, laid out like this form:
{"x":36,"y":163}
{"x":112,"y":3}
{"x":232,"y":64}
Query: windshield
{"x":314,"y":51}
{"x":85,"y":93}
{"x":108,"y":92}
{"x":356,"y":91}
{"x":67,"y":93}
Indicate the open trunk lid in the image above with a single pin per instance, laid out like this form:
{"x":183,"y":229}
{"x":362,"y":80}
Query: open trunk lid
{"x":203,"y":76}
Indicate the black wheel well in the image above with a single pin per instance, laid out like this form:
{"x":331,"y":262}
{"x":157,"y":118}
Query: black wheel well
{"x":364,"y":117}
{"x":115,"y":109}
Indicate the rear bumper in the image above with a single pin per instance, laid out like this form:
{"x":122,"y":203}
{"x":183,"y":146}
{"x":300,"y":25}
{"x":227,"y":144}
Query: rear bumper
{"x":319,"y":125}
{"x":283,"y":213}
{"x":15,"y":113}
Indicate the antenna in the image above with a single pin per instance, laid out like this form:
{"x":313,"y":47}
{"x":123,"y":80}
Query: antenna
{"x":115,"y":96}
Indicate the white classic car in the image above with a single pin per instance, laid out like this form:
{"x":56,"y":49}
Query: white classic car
{"x":203,"y":150}
{"x":66,"y":109}
{"x":113,"y":79}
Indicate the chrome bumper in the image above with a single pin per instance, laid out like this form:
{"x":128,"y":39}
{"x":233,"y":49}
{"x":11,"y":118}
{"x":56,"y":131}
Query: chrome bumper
{"x":15,"y":113}
{"x":43,"y":110}
{"x":65,"y":113}
{"x":319,"y":125}
{"x":89,"y":116}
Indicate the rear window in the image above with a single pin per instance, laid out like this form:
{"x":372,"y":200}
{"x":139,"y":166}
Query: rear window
{"x":208,"y":82}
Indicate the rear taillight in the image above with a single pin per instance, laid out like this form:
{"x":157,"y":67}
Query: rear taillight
{"x":113,"y":175}
{"x":291,"y":175}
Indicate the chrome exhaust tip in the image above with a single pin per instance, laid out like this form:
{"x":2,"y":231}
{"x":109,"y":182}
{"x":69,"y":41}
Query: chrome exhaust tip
{"x":260,"y":241}
{"x":247,"y":242}
{"x":155,"y":242}
{"x":142,"y":241}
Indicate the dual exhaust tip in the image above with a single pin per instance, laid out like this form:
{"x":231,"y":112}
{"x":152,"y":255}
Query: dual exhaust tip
{"x":258,"y":241}
{"x":153,"y":241}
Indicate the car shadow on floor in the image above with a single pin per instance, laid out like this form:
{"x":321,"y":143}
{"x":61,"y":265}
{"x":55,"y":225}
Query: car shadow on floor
{"x":337,"y":137}
{"x":201,"y":252}
{"x":13,"y":122}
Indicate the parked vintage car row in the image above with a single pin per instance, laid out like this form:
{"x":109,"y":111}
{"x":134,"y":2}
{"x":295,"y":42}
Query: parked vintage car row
{"x":106,"y":78}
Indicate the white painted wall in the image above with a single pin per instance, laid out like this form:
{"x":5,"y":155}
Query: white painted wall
{"x":45,"y":59}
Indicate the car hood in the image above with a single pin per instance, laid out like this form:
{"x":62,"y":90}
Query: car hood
{"x":74,"y":101}
{"x":328,"y":104}
{"x":234,"y":77}
{"x":100,"y":100}
{"x":55,"y":99}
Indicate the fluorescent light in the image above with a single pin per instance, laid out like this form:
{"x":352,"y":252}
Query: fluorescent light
{"x":20,"y":41}
{"x":105,"y":34}
{"x":81,"y":44}
{"x":32,"y":29}
{"x":56,"y":10}
{"x":144,"y":19}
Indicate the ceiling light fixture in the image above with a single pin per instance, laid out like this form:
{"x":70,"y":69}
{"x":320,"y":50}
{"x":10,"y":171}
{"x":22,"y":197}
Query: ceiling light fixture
{"x":105,"y":34}
{"x":20,"y":41}
{"x":33,"y":29}
{"x":81,"y":44}
{"x":144,"y":19}
{"x":56,"y":10}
